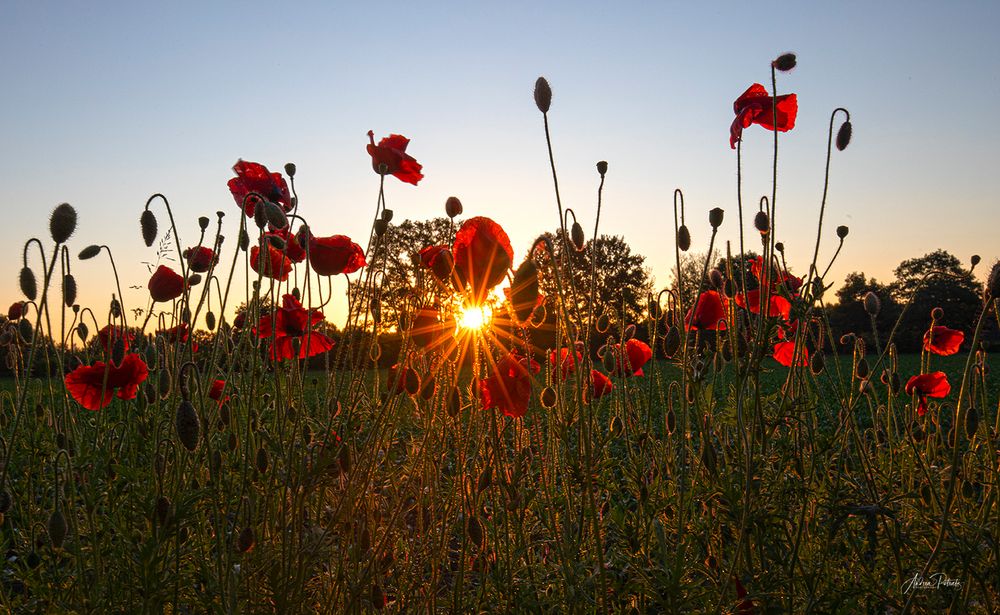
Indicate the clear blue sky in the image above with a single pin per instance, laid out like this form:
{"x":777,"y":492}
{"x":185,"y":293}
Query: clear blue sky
{"x":107,"y":103}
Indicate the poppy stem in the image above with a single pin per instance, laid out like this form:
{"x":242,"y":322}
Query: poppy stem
{"x":826,"y":185}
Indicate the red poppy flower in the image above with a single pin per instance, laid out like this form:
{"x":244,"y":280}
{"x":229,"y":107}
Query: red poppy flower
{"x":756,"y":106}
{"x":778,"y":306}
{"x":934,"y":384}
{"x":427,"y":328}
{"x":777,"y":279}
{"x":482,"y":255}
{"x":293,"y":250}
{"x":200,"y":259}
{"x":391,"y":151}
{"x":335,"y":255}
{"x":784,"y":353}
{"x":943,"y":341}
{"x":564,"y":361}
{"x":216,"y":390}
{"x":108,"y":335}
{"x":15,"y":311}
{"x":173,"y":334}
{"x":271,"y":265}
{"x":709,"y":314}
{"x":630,"y":362}
{"x":254,"y":177}
{"x":165,"y":284}
{"x":290,"y":324}
{"x":600,"y":384}
{"x":88,"y":387}
{"x":438,"y":259}
{"x":402,"y":379}
{"x":509,"y":387}
{"x":745,"y":606}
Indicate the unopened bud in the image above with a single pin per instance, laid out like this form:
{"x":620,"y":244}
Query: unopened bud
{"x":576,"y":235}
{"x":543,"y":95}
{"x":842,"y":231}
{"x":785,"y":62}
{"x":453,"y":207}
{"x":715,"y":217}
{"x":380,"y":227}
{"x":844,"y":136}
{"x":290,"y":169}
{"x":761,"y":222}
{"x":975,"y":260}
{"x":993,"y":281}
{"x":29,"y":287}
{"x":147,"y":222}
{"x":90,"y":252}
{"x":387,"y":215}
{"x":872,"y":304}
{"x":69,"y":289}
{"x":684,"y":238}
{"x":716,"y":278}
{"x":62,"y":223}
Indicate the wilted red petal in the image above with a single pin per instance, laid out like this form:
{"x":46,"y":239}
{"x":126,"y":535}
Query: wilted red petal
{"x":391,"y":152}
{"x":482,"y":255}
{"x":335,"y":255}
{"x":943,"y":341}
{"x":755,"y":106}
{"x":165,"y":284}
{"x":215,"y":392}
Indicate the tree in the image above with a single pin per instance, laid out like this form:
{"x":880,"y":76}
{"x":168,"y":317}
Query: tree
{"x":849,"y":315}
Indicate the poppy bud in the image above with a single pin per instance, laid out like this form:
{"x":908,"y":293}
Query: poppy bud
{"x":671,"y":342}
{"x":427,"y":388}
{"x":82,"y":332}
{"x":62,"y":223}
{"x":290,"y":169}
{"x":261,"y":461}
{"x":454,"y":402}
{"x":387,"y":215}
{"x":244,"y":240}
{"x":116,"y":308}
{"x":260,"y":214}
{"x":937,"y":314}
{"x":780,"y":247}
{"x":188,"y":425}
{"x":276,"y":241}
{"x":27,"y":281}
{"x":971,"y":422}
{"x":993,"y":281}
{"x":246,"y":540}
{"x":210,"y":320}
{"x":147,"y":222}
{"x":842,"y":231}
{"x":785,"y":62}
{"x":89,"y":252}
{"x":69,"y":290}
{"x":715,"y":277}
{"x":576,"y":234}
{"x":275,"y":215}
{"x":844,"y":136}
{"x":895,"y":383}
{"x":453,"y":207}
{"x":57,"y":527}
{"x":761,"y":222}
{"x":817,"y":363}
{"x":194,"y":279}
{"x":602,"y":168}
{"x":671,"y":421}
{"x":543,"y":95}
{"x":715,"y":216}
{"x":861,"y":370}
{"x":548,"y":397}
{"x":24,"y":330}
{"x":872,"y":304}
{"x":683,"y":238}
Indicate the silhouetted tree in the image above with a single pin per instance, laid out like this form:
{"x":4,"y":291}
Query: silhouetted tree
{"x":848,"y":315}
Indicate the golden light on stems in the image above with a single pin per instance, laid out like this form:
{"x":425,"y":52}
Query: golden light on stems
{"x":474,"y":318}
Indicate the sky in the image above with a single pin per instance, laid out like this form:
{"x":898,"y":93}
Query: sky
{"x":106,"y":103}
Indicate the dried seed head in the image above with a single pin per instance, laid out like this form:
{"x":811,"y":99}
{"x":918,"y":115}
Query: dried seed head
{"x":761,"y":222}
{"x":62,"y":223}
{"x":602,"y":168}
{"x":203,"y":222}
{"x":684,"y":238}
{"x":872,"y":304}
{"x":842,"y":231}
{"x":89,"y":252}
{"x":147,"y":222}
{"x":715,"y":217}
{"x":387,"y":215}
{"x":290,"y":169}
{"x":576,"y":234}
{"x":543,"y":95}
{"x":188,"y":425}
{"x":69,"y":289}
{"x":453,"y":207}
{"x":785,"y":62}
{"x":28,"y":285}
{"x":58,"y":528}
{"x":780,"y":247}
{"x":937,"y":314}
{"x":844,"y":136}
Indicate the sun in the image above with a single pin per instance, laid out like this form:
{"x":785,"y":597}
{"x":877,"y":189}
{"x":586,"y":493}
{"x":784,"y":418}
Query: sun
{"x":474,"y":317}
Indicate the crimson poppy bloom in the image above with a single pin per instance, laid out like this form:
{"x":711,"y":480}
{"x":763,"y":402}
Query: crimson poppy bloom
{"x":564,"y":361}
{"x":200,"y":259}
{"x":289,"y":325}
{"x":391,"y":151}
{"x":709,"y":314}
{"x":756,"y":106}
{"x":630,"y":362}
{"x":934,"y":384}
{"x":89,"y":388}
{"x":173,"y":334}
{"x":784,"y":353}
{"x":216,"y":390}
{"x":402,"y":379}
{"x":108,"y":335}
{"x":438,"y":259}
{"x":427,"y":328}
{"x":482,"y":255}
{"x":778,"y":306}
{"x":254,"y":177}
{"x":509,"y":387}
{"x":335,"y":255}
{"x":777,"y":279}
{"x":600,"y":385}
{"x":273,"y":264}
{"x":165,"y":284}
{"x":293,"y":250}
{"x":943,"y":341}
{"x":15,"y":311}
